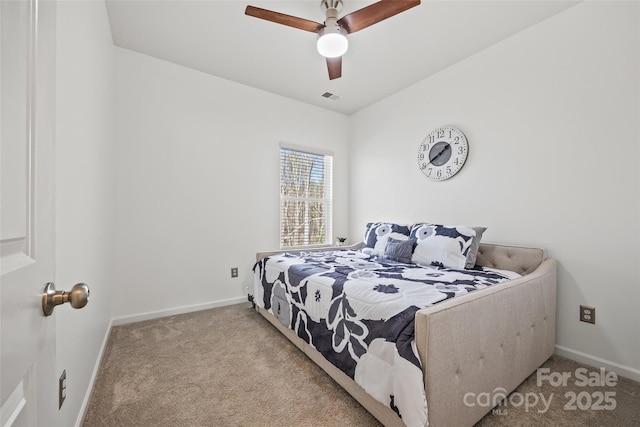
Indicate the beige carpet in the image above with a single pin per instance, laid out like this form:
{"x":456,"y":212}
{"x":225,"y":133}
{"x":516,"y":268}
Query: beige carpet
{"x":229,"y":367}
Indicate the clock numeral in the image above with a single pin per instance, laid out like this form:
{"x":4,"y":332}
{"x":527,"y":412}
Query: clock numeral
{"x":449,"y":169}
{"x":460,"y":150}
{"x":457,"y":139}
{"x":441,"y":133}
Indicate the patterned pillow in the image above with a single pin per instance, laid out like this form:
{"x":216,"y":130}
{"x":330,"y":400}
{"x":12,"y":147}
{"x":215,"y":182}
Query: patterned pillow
{"x":399,"y":250}
{"x":378,"y":233}
{"x":441,"y":245}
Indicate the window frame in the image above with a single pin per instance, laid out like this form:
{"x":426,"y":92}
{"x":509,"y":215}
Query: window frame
{"x":327,"y":200}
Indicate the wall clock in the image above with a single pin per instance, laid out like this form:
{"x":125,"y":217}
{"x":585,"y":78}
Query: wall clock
{"x":442,"y":153}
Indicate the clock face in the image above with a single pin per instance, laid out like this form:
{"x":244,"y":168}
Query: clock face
{"x":442,"y":153}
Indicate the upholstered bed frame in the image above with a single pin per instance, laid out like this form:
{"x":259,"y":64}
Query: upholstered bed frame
{"x":509,"y":331}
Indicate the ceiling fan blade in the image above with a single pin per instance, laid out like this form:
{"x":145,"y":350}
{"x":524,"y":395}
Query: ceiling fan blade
{"x":374,"y":13}
{"x":281,"y":18}
{"x":334,"y":65}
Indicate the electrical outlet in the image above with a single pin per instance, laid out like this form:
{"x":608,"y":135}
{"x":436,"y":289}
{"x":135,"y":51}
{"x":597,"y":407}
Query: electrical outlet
{"x":234,"y":272}
{"x":588,"y":314}
{"x":62,"y":388}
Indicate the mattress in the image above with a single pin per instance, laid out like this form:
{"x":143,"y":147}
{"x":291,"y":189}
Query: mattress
{"x":358,"y":311}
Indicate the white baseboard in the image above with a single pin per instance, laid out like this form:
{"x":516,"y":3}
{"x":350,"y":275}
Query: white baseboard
{"x":176,"y":310}
{"x":96,"y":368}
{"x":596,"y":362}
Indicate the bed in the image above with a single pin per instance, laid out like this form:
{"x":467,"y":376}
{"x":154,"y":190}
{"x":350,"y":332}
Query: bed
{"x":434,"y":340}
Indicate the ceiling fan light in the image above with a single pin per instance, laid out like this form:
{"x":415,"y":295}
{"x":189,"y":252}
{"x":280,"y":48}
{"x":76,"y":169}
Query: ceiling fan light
{"x":332,"y":43}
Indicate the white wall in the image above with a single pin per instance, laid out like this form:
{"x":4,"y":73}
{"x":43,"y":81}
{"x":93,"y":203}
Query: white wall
{"x":85,"y":216}
{"x":552,"y":118}
{"x":198,"y":182}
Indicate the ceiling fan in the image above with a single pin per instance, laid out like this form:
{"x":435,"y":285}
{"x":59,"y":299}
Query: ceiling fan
{"x":332,"y":41}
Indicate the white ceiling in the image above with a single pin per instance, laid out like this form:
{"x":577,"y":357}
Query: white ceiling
{"x":216,"y":37}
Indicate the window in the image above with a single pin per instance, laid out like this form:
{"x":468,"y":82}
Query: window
{"x":305,"y":197}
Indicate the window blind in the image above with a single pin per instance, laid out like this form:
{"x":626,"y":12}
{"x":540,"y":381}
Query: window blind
{"x":305,"y":198}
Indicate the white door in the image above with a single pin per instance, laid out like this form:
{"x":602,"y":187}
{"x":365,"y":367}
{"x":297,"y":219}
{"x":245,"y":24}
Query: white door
{"x":28,"y":382}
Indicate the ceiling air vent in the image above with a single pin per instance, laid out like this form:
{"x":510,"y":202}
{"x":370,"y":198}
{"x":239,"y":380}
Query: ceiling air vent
{"x":331,"y":96}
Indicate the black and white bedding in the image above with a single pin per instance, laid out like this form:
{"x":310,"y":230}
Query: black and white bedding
{"x":357,"y":309}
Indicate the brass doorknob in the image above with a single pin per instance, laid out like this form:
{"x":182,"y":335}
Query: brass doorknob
{"x":78,"y":297}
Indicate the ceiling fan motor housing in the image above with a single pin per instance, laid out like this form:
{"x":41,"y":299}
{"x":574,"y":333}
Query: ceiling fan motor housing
{"x":332,"y":9}
{"x":327,"y":5}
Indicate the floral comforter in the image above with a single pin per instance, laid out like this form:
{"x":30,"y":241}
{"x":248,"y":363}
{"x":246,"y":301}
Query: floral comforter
{"x":358,"y":312}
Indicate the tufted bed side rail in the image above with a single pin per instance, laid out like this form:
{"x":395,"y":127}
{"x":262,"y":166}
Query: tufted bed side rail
{"x":513,"y":258}
{"x":489,"y":341}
